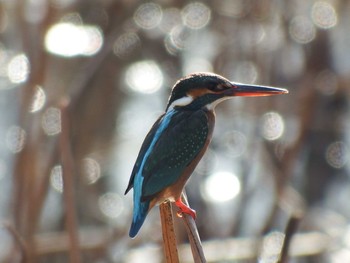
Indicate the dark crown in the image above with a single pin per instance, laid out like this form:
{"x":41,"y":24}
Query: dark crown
{"x":195,"y":81}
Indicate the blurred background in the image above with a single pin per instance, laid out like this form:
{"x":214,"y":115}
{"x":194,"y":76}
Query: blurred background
{"x":82,"y":81}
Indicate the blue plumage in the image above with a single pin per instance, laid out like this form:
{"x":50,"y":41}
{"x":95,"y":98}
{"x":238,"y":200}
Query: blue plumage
{"x":141,"y":207}
{"x":140,"y":213}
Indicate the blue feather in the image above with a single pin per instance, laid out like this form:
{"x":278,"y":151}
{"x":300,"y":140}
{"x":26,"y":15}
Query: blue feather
{"x":141,"y":208}
{"x":138,"y":218}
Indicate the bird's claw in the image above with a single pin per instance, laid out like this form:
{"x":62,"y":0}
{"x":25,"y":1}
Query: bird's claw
{"x":184,"y":209}
{"x":193,"y":214}
{"x":179,"y":214}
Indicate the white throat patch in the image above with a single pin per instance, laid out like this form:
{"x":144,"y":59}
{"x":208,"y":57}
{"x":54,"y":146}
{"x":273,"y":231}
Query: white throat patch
{"x":212,"y":105}
{"x":180,"y":102}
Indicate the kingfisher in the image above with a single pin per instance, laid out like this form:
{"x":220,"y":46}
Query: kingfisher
{"x":178,"y":139}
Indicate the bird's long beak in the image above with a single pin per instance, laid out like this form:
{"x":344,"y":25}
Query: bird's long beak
{"x":255,"y":90}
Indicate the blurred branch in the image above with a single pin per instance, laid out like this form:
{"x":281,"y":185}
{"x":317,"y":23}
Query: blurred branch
{"x":88,"y":71}
{"x":235,"y":249}
{"x":68,"y":185}
{"x":19,"y":240}
{"x":290,"y":231}
{"x":244,"y":249}
{"x":303,"y":244}
{"x":58,"y":242}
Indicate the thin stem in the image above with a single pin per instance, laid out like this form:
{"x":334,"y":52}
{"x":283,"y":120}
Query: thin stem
{"x":192,"y":232}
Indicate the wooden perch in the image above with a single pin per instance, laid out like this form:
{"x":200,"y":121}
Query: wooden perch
{"x":169,"y":237}
{"x":168,"y":232}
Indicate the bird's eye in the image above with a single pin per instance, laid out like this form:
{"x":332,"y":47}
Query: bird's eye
{"x":219,"y":87}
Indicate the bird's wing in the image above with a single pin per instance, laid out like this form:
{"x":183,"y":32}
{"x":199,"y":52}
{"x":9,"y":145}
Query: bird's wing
{"x":180,"y":142}
{"x":142,"y":152}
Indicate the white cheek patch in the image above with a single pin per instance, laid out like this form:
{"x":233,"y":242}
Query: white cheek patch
{"x":180,"y":102}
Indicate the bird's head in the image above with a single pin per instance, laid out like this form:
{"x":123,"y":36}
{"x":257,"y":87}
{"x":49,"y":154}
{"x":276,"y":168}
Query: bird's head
{"x":200,"y":90}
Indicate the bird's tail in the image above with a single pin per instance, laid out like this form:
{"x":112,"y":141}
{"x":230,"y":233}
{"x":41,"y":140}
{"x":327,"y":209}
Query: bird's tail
{"x":140,"y":213}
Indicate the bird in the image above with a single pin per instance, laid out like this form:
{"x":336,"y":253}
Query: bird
{"x":178,"y":139}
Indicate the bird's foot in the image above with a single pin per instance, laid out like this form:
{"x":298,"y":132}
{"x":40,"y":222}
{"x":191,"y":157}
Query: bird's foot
{"x":184,"y":209}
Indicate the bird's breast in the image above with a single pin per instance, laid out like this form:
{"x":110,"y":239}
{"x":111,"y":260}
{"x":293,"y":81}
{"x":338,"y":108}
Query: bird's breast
{"x":187,"y":145}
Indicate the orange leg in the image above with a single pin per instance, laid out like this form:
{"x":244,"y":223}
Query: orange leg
{"x":184,"y":209}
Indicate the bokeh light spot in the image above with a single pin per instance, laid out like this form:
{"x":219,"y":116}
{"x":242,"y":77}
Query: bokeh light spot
{"x":171,"y":18}
{"x":252,"y":35}
{"x":111,"y":205}
{"x":324,"y":15}
{"x":56,"y":180}
{"x":91,"y":170}
{"x":246,"y":72}
{"x":337,"y":154}
{"x":272,"y":126}
{"x":177,"y":39}
{"x":15,"y":139}
{"x":51,"y":121}
{"x":39,"y":99}
{"x":68,"y":40}
{"x":196,"y":15}
{"x":93,"y":41}
{"x":18,"y":69}
{"x":221,"y":187}
{"x":235,"y":143}
{"x":302,"y":30}
{"x":144,"y":77}
{"x":126,"y":44}
{"x":148,"y":15}
{"x":274,"y":37}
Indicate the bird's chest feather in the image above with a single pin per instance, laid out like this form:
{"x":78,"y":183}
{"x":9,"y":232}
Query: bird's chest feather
{"x":186,"y":138}
{"x":189,"y":148}
{"x":178,"y":144}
